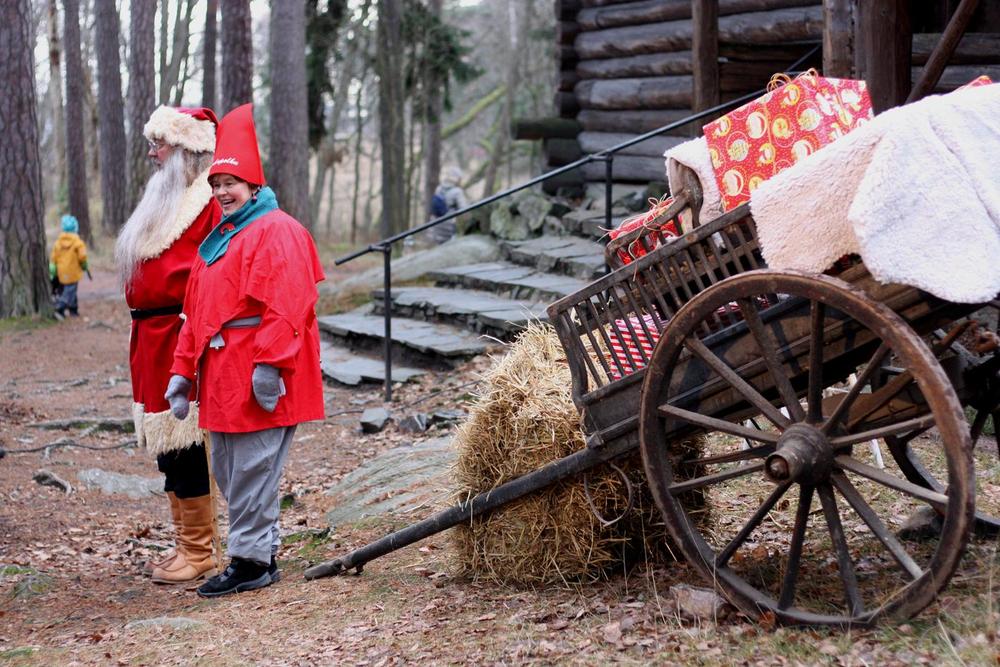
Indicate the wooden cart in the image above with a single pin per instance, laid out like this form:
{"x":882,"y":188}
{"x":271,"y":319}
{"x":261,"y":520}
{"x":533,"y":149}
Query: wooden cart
{"x":791,"y":375}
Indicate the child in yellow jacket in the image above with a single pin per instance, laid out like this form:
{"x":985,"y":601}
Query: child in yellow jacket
{"x":68,"y":261}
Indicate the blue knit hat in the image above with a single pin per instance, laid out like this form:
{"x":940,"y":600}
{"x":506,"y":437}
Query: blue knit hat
{"x":70,"y":224}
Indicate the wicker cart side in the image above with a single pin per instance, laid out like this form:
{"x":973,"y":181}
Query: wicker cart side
{"x":636,"y":302}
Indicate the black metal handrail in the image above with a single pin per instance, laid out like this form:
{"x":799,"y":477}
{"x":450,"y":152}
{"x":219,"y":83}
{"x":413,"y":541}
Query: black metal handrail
{"x":606,"y":156}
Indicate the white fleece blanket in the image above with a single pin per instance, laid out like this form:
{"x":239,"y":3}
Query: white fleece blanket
{"x":915,"y":192}
{"x":694,"y":155}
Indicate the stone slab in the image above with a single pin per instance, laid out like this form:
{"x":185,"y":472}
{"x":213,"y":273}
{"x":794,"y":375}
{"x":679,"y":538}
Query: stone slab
{"x":425,"y":337}
{"x":345,"y":367}
{"x":397,"y":481}
{"x":470,"y":306}
{"x":521,"y":282}
{"x":569,"y":255}
{"x":110,"y":483}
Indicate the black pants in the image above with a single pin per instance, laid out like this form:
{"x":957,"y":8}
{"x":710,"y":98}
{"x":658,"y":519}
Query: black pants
{"x":186,"y":471}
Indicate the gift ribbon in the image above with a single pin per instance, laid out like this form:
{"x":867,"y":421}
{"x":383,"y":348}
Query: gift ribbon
{"x":781,"y":79}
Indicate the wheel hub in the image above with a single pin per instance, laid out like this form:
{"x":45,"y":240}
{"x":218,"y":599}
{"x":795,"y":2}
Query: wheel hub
{"x":803,"y":455}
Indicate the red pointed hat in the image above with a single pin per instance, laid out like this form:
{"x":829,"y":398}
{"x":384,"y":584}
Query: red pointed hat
{"x":236,"y":151}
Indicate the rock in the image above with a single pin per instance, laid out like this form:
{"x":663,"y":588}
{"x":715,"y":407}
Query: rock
{"x":505,"y":224}
{"x":133,"y":486}
{"x":633,"y":201}
{"x":172,"y":622}
{"x":447,"y":417}
{"x":34,"y":583}
{"x":373,"y":420}
{"x":49,"y":478}
{"x":696,"y":603}
{"x":533,"y":208}
{"x":553,"y":226}
{"x":471,"y":249}
{"x":415,"y":423}
{"x":923,"y":524}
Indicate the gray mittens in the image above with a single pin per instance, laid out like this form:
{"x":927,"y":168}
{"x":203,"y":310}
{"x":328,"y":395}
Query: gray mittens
{"x":266,"y":386}
{"x":177,"y":395}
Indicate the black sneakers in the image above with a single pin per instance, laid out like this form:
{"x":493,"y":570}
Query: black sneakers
{"x":273,"y":571}
{"x":240,"y":576}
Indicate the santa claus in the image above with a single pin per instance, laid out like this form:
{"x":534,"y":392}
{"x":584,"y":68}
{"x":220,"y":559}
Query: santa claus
{"x":154,"y":253}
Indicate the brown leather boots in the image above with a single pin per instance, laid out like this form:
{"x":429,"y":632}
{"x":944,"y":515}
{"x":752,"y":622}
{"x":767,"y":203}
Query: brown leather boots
{"x":193,"y":559}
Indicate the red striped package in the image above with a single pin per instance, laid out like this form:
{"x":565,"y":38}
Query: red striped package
{"x":626,"y":348}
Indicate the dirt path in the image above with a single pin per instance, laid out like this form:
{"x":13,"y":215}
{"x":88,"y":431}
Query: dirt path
{"x":69,"y":563}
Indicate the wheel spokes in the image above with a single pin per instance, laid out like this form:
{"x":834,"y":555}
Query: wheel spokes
{"x":868,"y":515}
{"x":814,"y":396}
{"x":717,"y":424}
{"x":736,"y":382}
{"x":938,"y":501}
{"x":916,"y":423}
{"x":715,"y":478}
{"x":723,"y":557}
{"x":742,"y":455}
{"x":788,"y":582}
{"x":844,"y":564}
{"x":841,"y":410}
{"x":770,"y":353}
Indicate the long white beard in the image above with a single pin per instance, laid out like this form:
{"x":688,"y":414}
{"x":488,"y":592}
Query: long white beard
{"x":160,"y":200}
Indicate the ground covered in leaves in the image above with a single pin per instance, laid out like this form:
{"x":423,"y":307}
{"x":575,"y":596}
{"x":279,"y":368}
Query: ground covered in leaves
{"x":71,"y":591}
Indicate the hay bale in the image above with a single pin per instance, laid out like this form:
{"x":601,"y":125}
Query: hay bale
{"x":524,"y":418}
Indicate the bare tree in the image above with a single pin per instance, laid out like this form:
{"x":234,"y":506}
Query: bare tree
{"x":170,"y":76}
{"x":141,"y":97}
{"x":289,"y":152}
{"x":111,"y":119}
{"x":76,"y":153}
{"x":432,"y":126}
{"x":208,"y":55}
{"x":57,"y":175}
{"x":237,"y":54}
{"x":392,"y":136}
{"x":24,"y":287}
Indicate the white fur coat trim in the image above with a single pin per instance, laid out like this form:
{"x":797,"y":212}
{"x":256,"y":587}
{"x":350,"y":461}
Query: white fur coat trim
{"x":192,"y":203}
{"x":694,"y":155}
{"x":161,"y":432}
{"x":914,"y":192}
{"x":181,"y":129}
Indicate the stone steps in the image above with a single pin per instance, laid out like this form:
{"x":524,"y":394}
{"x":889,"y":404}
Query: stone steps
{"x":426,"y":344}
{"x":509,"y":279}
{"x":590,"y":223}
{"x":566,"y":255}
{"x":341,"y":366}
{"x":482,"y":312}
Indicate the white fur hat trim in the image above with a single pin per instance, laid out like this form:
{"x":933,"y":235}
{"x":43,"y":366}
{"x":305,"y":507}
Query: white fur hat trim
{"x":180,"y":129}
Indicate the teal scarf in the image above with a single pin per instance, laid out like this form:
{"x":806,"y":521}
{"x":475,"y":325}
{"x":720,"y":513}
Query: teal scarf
{"x":217,"y":242}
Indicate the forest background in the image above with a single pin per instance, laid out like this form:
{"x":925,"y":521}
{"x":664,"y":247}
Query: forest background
{"x":348,"y":95}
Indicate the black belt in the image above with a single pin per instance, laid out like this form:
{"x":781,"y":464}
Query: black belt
{"x":145,"y":314}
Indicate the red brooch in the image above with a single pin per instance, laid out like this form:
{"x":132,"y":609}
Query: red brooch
{"x":226,"y":228}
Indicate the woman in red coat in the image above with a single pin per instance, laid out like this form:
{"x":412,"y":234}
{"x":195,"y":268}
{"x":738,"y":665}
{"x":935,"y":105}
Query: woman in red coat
{"x":251,"y":341}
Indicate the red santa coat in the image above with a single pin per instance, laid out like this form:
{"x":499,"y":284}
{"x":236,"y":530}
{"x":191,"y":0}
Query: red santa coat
{"x":270,"y":270}
{"x":160,"y":281}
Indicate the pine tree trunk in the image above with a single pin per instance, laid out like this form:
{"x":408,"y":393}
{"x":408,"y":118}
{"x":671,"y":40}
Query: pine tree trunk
{"x":24,"y":288}
{"x":391,"y":106}
{"x":289,"y":152}
{"x":76,"y":153}
{"x":208,"y":55}
{"x":111,"y":119}
{"x":141,"y":96}
{"x":237,"y":55}
{"x":359,"y":128}
{"x":57,"y":175}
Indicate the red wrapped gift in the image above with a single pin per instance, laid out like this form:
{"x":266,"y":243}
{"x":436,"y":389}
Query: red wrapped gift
{"x":763,"y":137}
{"x":635,"y":250}
{"x":625,"y":347}
{"x":981,"y":80}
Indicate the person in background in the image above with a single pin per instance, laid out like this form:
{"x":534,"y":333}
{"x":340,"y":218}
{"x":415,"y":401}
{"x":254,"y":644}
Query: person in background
{"x":448,"y":197}
{"x":250,"y":341}
{"x":67,"y":262}
{"x":154,"y":252}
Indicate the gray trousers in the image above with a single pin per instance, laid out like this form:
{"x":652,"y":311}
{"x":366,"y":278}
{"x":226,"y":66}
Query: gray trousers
{"x":247,"y":468}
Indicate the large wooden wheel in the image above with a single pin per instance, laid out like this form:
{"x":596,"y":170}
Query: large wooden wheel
{"x":803,"y":526}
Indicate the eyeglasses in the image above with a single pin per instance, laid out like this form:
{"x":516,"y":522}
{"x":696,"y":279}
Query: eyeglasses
{"x":156,"y":145}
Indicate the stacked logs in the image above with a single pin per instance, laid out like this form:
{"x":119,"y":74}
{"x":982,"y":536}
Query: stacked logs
{"x":625,"y":68}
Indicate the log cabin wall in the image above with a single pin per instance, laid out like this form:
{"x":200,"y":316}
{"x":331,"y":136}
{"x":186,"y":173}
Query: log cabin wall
{"x":626,"y":68}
